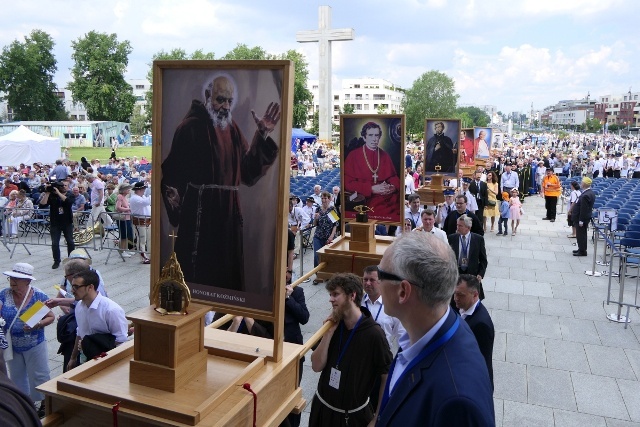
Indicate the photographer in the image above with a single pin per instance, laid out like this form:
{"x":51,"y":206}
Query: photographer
{"x":60,"y":200}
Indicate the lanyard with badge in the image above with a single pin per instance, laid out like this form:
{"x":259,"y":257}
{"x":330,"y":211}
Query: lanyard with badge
{"x":366,"y":303}
{"x":426,"y":351}
{"x":334,"y":377}
{"x":464,"y":253}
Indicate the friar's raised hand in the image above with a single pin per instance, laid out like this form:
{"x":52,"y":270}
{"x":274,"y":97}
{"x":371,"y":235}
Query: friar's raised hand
{"x":268,"y":122}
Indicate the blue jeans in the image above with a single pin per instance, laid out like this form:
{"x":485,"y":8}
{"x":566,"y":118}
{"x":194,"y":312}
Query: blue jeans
{"x":317,"y":244}
{"x":56,"y":231}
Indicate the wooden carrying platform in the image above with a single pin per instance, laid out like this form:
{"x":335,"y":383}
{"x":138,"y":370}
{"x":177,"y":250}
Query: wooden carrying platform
{"x":342,"y":256}
{"x":205,"y":369}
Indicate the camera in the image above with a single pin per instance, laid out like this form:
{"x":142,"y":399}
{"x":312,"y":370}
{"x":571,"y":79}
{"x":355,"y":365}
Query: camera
{"x":59,"y":185}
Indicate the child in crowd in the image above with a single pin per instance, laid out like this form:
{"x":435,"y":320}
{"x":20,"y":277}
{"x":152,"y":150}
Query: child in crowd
{"x":504,"y":214}
{"x":514,"y":210}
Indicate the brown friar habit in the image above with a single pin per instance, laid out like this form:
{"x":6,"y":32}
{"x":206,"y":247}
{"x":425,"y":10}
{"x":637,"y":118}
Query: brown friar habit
{"x":366,"y":358}
{"x":206,"y":165}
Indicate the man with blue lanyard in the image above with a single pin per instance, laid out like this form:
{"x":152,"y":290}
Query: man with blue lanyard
{"x":440,"y":378}
{"x":351,"y":356}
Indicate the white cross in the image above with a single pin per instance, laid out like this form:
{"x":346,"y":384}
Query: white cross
{"x":324,"y":35}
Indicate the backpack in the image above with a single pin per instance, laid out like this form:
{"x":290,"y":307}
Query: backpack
{"x":66,"y":328}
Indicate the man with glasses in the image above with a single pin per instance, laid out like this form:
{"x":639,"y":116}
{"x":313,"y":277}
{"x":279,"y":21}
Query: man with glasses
{"x":101,"y":321}
{"x":450,"y":225}
{"x":440,"y":377}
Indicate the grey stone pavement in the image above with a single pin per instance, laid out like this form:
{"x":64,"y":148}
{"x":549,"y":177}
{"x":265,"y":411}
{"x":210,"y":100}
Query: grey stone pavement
{"x":558,"y":361}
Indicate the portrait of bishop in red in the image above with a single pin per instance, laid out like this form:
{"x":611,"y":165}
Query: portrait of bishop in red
{"x":370,"y":177}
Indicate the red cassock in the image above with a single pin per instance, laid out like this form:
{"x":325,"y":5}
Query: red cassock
{"x":359,"y":177}
{"x":469,"y":150}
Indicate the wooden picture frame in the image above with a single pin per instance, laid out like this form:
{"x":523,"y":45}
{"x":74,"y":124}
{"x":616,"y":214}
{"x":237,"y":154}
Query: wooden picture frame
{"x":467,"y":148}
{"x":242,"y":185}
{"x":482,"y":138}
{"x":357,"y":176}
{"x":449,"y":139}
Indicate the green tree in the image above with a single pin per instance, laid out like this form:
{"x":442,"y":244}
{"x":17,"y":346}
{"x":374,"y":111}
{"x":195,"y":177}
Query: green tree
{"x":593,"y":125}
{"x":381,"y":109}
{"x":138,"y":121}
{"x":98,"y":76}
{"x":302,"y":97}
{"x":246,"y":53}
{"x":478,"y":116}
{"x":349,"y":108}
{"x":432,"y":95}
{"x":465,"y":119}
{"x":174,"y":54}
{"x":26,"y":78}
{"x":315,"y":124}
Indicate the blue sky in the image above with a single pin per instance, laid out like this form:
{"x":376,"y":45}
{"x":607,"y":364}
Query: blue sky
{"x":507,"y":53}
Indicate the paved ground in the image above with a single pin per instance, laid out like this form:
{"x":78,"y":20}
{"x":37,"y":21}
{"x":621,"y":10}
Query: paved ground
{"x":557,"y":360}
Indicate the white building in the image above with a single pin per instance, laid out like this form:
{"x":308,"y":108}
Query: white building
{"x":572,"y":112}
{"x":77,"y":110}
{"x":367,"y":96}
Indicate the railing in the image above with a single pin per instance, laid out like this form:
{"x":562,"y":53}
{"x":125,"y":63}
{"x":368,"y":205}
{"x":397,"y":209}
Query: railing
{"x":125,"y":234}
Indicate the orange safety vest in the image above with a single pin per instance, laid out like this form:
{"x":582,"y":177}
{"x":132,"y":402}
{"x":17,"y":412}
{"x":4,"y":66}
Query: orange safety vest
{"x":551,"y":186}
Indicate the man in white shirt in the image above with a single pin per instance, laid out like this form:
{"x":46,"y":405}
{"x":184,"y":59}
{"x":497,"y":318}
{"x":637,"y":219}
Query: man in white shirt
{"x":95,"y":314}
{"x":428,"y":222}
{"x":414,"y":210}
{"x":97,"y":200}
{"x":444,"y":209}
{"x":372,"y":300}
{"x":472,"y":204}
{"x":141,"y":218}
{"x":317,"y":190}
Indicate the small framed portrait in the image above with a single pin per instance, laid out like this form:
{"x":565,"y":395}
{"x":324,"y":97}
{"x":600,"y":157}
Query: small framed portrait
{"x":498,"y":141}
{"x":221,"y":142}
{"x":482,"y":140}
{"x":372,"y":154}
{"x":442,"y":147}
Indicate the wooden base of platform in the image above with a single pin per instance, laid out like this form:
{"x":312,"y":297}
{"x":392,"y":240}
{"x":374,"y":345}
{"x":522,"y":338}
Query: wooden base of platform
{"x":87,"y":395}
{"x":340,"y":258}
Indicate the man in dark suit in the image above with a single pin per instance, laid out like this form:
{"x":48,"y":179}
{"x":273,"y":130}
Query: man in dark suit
{"x":439,"y":379}
{"x":479,"y":190}
{"x":581,"y":215}
{"x":450,"y":226}
{"x":469,"y":250}
{"x":477,"y":317}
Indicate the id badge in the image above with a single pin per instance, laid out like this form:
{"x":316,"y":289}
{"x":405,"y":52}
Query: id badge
{"x":60,"y":211}
{"x":334,"y":378}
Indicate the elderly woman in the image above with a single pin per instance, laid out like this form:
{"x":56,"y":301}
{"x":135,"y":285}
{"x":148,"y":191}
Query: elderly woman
{"x":23,"y":210}
{"x":124,"y":222}
{"x":30,"y":364}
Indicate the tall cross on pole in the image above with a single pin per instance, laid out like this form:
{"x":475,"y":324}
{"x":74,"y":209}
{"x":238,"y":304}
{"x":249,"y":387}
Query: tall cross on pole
{"x":325,"y":35}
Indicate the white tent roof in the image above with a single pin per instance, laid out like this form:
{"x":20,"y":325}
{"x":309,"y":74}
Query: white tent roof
{"x":24,"y":146}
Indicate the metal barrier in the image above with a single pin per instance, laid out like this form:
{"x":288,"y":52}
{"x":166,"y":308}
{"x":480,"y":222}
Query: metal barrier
{"x":32,"y":227}
{"x":127,"y":237}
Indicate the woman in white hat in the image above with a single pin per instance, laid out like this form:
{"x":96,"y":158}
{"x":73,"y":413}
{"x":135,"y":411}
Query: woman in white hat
{"x":30,"y":364}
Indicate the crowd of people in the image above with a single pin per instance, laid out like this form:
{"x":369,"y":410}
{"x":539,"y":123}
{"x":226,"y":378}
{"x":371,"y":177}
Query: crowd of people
{"x":72,"y":192}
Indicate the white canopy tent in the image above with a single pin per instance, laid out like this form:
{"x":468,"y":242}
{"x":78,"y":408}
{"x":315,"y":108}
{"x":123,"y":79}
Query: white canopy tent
{"x":25,"y":146}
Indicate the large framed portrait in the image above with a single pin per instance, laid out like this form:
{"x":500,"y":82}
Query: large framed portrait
{"x":221,"y":145}
{"x":371,"y":155}
{"x":442,"y":148}
{"x":482,"y":139}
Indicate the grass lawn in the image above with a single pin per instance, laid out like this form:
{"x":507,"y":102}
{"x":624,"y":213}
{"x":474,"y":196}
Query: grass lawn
{"x":75,"y":153}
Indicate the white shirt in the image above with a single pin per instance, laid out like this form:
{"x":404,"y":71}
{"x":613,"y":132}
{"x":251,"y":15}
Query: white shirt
{"x":140,"y":205}
{"x":390,"y":325}
{"x":298,"y":217}
{"x":410,"y":352}
{"x":101,"y":317}
{"x":409,"y":185}
{"x":440,"y":234}
{"x":472,"y":205}
{"x":96,"y":186}
{"x":464,"y":313}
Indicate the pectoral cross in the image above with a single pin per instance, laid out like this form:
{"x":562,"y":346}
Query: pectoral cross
{"x":173,"y":236}
{"x":375,"y":177}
